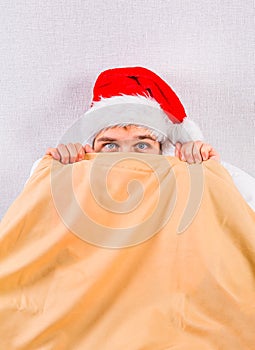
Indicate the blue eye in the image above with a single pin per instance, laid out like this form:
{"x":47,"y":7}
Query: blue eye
{"x":142,"y":145}
{"x":110,"y":146}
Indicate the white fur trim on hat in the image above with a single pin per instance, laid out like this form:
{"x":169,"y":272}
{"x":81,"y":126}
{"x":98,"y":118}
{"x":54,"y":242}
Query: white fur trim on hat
{"x":146,"y":100}
{"x":137,"y":110}
{"x":176,"y":132}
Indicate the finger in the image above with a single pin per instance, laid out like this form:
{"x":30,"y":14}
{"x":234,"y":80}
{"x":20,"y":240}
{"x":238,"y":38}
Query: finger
{"x":89,"y":149}
{"x":187,"y":152}
{"x":177,"y":153}
{"x":197,"y":151}
{"x":53,"y":152}
{"x":205,"y":149}
{"x":80,"y":151}
{"x":64,"y":154}
{"x":73,"y":153}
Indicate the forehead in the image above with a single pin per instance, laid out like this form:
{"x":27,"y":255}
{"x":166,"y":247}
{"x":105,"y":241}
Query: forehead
{"x":132,"y":131}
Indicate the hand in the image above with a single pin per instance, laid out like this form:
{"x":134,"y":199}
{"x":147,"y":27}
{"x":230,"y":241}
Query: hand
{"x":70,"y":153}
{"x":195,"y":152}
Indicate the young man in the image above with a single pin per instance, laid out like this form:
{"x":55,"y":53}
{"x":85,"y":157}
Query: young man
{"x":103,"y":265}
{"x":157,"y":120}
{"x":130,"y":104}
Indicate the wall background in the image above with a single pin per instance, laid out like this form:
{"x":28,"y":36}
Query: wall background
{"x":52,"y":52}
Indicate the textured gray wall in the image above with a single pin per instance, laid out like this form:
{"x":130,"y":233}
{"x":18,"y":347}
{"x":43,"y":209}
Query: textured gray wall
{"x":52,"y":51}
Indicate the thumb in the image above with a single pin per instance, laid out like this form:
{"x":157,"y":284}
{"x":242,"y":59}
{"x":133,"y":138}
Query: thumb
{"x":88,"y":149}
{"x":214,"y":155}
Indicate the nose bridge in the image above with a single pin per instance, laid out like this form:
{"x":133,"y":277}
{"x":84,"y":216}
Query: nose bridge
{"x":125,"y":146}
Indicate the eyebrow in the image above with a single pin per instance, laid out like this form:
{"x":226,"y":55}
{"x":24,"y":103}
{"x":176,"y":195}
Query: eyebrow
{"x":103,"y":139}
{"x":139,"y":137}
{"x":142,"y":137}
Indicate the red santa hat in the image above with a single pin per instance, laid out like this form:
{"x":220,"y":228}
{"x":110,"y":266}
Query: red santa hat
{"x":136,"y":95}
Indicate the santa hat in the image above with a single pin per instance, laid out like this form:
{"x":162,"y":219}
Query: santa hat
{"x":136,"y":95}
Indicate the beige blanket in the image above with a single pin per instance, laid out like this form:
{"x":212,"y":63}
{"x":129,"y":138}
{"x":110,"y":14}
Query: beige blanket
{"x":139,"y":253}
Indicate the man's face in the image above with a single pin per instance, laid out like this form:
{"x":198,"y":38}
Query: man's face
{"x":126,"y":139}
